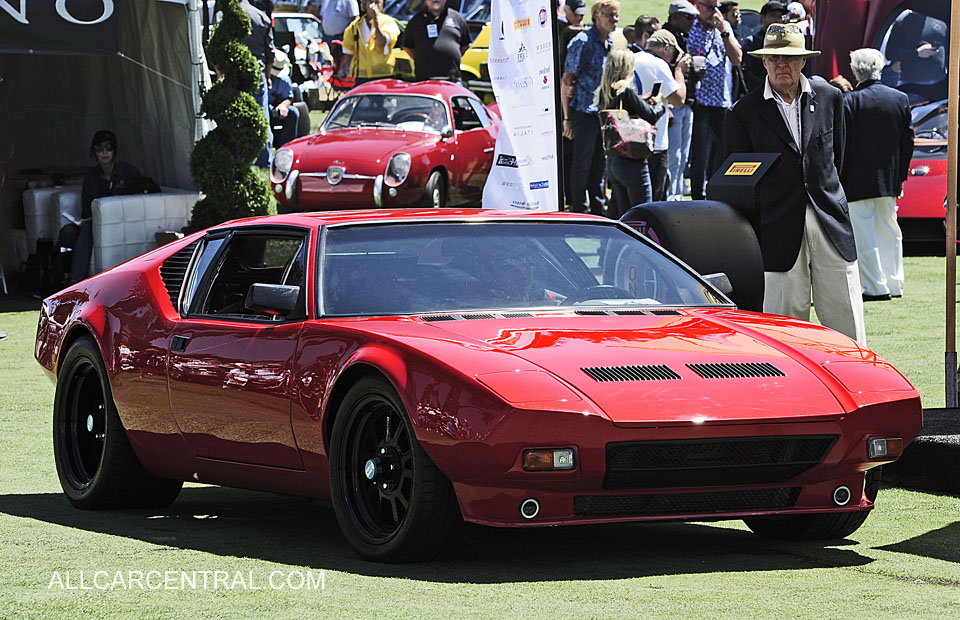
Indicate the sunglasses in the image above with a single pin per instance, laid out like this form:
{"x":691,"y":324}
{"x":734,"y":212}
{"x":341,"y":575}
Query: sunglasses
{"x":104,"y":148}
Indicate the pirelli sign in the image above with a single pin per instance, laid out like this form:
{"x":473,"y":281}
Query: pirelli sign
{"x":742,"y":168}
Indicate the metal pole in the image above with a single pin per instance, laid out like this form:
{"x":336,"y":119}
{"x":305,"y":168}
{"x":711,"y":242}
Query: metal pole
{"x":557,"y":75}
{"x":953,"y":100}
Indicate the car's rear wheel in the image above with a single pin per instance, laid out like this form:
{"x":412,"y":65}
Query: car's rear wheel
{"x":435,"y":195}
{"x":391,"y":501}
{"x":826,"y":526}
{"x":95,"y":462}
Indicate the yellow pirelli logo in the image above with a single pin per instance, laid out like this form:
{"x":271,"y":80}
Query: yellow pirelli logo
{"x":742,"y":168}
{"x":519,"y":24}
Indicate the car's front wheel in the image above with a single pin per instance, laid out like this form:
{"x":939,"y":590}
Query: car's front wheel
{"x":391,"y":501}
{"x":435,"y":195}
{"x":826,"y":526}
{"x":95,"y":462}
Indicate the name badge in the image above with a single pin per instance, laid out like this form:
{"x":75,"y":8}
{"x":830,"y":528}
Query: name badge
{"x":432,"y":31}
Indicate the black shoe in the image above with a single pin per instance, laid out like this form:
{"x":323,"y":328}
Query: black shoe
{"x":895,"y":296}
{"x":884,"y":297}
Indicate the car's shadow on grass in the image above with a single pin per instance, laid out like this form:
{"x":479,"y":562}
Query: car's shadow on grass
{"x":298,"y":532}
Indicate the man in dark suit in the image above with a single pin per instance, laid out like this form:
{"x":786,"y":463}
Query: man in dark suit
{"x":879,"y":147}
{"x":803,"y":225}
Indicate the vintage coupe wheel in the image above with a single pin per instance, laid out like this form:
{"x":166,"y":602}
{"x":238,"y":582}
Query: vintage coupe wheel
{"x":391,"y":501}
{"x":95,"y":462}
{"x":435,"y":195}
{"x":827,"y":526}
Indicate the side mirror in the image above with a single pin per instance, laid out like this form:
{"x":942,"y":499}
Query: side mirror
{"x":275,"y":299}
{"x":446,"y":133}
{"x":719,"y":281}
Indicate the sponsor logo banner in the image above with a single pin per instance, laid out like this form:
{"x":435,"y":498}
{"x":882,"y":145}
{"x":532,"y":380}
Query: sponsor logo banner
{"x":742,"y":169}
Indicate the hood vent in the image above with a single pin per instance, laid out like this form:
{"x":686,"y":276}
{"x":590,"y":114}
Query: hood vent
{"x":665,"y":312}
{"x":631,"y":373}
{"x":736,"y":371}
{"x":469,"y":317}
{"x":174,"y":270}
{"x":592,"y":313}
{"x":516,"y":315}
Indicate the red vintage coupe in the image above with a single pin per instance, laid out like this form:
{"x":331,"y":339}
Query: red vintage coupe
{"x":420,"y":368}
{"x":391,"y":144}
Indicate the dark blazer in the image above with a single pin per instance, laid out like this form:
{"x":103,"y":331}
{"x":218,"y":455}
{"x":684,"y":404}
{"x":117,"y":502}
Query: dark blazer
{"x":879,"y":141}
{"x":755,"y":125}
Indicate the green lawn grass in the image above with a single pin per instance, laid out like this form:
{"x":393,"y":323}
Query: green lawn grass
{"x":904,"y":562}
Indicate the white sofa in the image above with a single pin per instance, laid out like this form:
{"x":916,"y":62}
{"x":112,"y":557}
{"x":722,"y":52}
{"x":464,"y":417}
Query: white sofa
{"x":125,"y":226}
{"x":38,"y":206}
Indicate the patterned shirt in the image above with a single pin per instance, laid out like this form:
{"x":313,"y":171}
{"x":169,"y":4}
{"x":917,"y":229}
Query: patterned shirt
{"x":706,"y":41}
{"x":586,"y":54}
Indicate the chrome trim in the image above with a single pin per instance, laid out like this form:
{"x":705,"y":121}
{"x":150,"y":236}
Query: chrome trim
{"x":290,"y":191}
{"x":378,"y":190}
{"x":323,"y":175}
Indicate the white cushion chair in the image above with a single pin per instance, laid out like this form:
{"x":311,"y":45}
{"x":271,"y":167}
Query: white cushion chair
{"x":126,"y":226}
{"x":37,"y":213}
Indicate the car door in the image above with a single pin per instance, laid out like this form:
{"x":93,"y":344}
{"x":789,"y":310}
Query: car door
{"x":476,"y":139}
{"x":229,"y":367}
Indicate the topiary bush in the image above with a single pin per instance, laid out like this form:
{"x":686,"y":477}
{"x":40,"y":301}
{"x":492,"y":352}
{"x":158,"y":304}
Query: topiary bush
{"x":220,"y":161}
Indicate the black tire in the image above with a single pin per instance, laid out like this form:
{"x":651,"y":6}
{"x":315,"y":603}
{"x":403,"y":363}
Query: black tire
{"x":303,"y":123}
{"x":826,"y":526}
{"x":408,"y":511}
{"x":711,"y":237}
{"x":95,"y":462}
{"x":435,"y":194}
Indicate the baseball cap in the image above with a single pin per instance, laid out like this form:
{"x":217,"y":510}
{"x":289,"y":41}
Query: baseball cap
{"x":663,"y":37}
{"x":772,"y":7}
{"x":579,"y":7}
{"x":683,"y":7}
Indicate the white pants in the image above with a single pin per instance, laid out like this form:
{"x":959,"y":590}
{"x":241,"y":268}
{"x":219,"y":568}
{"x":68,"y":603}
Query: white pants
{"x":835,"y":282}
{"x":879,"y":245}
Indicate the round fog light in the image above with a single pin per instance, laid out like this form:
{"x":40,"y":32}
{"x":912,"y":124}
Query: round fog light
{"x":841,"y":496}
{"x":529,"y":508}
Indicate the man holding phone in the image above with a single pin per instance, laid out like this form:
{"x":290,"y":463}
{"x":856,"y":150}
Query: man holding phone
{"x":654,"y":75}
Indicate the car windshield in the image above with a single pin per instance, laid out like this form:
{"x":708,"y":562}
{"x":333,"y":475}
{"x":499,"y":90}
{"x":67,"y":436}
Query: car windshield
{"x":307,"y":27}
{"x":930,"y":130}
{"x":405,"y":112}
{"x":447,"y":267}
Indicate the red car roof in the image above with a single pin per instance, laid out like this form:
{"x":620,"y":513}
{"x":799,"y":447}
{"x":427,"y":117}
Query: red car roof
{"x":324,"y":218}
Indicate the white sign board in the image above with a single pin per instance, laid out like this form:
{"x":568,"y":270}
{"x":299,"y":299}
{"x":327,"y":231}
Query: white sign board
{"x":524,"y":172}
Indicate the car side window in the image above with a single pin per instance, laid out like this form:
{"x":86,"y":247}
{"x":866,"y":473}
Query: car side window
{"x":481,"y":111}
{"x":210,"y":248}
{"x":464,"y":116}
{"x":247,"y":259}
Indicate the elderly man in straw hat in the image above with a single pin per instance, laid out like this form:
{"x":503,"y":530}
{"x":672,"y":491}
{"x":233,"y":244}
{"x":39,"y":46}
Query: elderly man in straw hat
{"x":804,"y":226}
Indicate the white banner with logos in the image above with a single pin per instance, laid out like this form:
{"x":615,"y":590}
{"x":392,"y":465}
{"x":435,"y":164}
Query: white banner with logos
{"x":524,"y":172}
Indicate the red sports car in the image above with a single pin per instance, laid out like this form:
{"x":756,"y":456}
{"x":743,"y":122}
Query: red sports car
{"x":391,"y":144}
{"x":420,"y":368}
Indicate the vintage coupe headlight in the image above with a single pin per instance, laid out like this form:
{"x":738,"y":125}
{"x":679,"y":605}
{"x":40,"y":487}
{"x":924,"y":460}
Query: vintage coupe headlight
{"x":282,"y":163}
{"x":397,"y":169}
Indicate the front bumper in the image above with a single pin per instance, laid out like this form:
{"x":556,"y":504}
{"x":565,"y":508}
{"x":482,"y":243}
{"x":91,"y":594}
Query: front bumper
{"x":313,"y":191}
{"x":491,"y":484}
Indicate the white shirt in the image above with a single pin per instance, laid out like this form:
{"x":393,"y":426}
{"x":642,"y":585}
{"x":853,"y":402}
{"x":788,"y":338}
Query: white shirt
{"x":648,"y":69}
{"x":789,"y":111}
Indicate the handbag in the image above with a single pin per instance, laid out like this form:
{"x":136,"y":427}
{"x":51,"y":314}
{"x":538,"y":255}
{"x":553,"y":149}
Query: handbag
{"x":623,"y":136}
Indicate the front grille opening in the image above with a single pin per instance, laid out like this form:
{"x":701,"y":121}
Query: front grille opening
{"x":653,"y":372}
{"x":712,"y":462}
{"x":684,"y":503}
{"x":736,"y":371}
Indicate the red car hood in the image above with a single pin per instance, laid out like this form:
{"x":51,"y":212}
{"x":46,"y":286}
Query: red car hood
{"x":793,"y":383}
{"x":360,"y":151}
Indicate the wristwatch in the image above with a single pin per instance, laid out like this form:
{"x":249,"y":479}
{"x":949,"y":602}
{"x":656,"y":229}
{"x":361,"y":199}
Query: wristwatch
{"x":725,"y":34}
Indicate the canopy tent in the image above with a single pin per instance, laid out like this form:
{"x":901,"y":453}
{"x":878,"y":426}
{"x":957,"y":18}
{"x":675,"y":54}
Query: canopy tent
{"x":144,"y":84}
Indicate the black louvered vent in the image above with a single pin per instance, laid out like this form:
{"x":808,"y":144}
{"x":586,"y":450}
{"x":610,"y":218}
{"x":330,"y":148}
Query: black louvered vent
{"x":469,"y":317}
{"x":684,"y":503}
{"x":516,"y":315}
{"x":174,"y":269}
{"x":631,"y":312}
{"x":439,"y":317}
{"x":712,"y":462}
{"x":665,"y":312}
{"x":592,"y":312}
{"x":631,"y":373}
{"x":736,"y":371}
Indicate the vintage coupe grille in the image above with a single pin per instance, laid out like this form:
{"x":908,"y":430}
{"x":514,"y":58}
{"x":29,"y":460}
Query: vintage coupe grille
{"x":652,"y":372}
{"x":736,"y":371}
{"x":684,"y":503}
{"x":712,"y":462}
{"x":174,"y":269}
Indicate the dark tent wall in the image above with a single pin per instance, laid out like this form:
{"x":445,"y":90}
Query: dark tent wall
{"x":51,"y":104}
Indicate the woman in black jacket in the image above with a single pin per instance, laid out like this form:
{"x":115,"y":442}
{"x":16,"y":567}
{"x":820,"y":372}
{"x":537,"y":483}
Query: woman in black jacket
{"x":629,"y":178}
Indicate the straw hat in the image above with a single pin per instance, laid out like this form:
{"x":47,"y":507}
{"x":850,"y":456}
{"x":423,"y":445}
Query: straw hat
{"x":784,"y":40}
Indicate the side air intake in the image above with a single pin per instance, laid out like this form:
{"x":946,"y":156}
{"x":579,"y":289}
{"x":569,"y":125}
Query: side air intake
{"x":174,"y":270}
{"x":631,"y":373}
